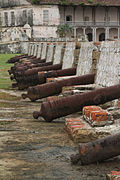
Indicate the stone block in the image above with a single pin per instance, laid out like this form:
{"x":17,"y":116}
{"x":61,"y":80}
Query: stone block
{"x":114,"y":175}
{"x":96,"y":116}
{"x":67,"y":93}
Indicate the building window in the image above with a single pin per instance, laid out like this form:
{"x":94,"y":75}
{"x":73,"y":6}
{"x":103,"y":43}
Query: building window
{"x":0,"y":20}
{"x":24,"y":17}
{"x":45,"y":16}
{"x":6,"y":18}
{"x":12,"y":18}
{"x":86,"y":18}
{"x":69,"y":18}
{"x":30,"y":17}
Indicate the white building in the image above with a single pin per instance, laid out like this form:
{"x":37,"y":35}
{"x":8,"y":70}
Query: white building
{"x":99,"y":19}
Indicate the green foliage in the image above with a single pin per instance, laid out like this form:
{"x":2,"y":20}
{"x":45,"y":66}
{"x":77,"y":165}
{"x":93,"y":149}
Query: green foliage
{"x":64,"y":30}
{"x":5,"y":82}
{"x":90,"y":1}
{"x":98,"y":4}
{"x":35,"y":1}
{"x":71,"y":3}
{"x":82,"y":4}
{"x":63,"y":2}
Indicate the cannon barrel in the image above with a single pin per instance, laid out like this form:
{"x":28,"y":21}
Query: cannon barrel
{"x":26,"y":65}
{"x":71,"y":104}
{"x":97,"y":151}
{"x":25,"y":81}
{"x":45,"y":68}
{"x":22,"y":69}
{"x":16,"y":58}
{"x":58,"y":73}
{"x":37,"y":60}
{"x":53,"y":88}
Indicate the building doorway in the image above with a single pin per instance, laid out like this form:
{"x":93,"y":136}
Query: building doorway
{"x":89,"y":35}
{"x":102,"y":37}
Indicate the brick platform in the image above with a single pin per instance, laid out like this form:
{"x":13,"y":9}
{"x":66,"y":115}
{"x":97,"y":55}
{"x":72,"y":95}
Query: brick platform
{"x":81,"y":131}
{"x":114,"y":175}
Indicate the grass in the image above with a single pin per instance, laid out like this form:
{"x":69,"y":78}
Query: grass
{"x":5,"y":82}
{"x":5,"y":96}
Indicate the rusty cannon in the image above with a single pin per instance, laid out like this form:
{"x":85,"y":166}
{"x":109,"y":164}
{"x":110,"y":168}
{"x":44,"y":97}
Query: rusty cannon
{"x":16,"y":58}
{"x":58,"y":73}
{"x":34,"y":71}
{"x":23,"y":67}
{"x":97,"y":151}
{"x":40,"y":78}
{"x":20,"y":57}
{"x":53,"y":88}
{"x":30,"y":77}
{"x":72,"y":104}
{"x":20,"y":66}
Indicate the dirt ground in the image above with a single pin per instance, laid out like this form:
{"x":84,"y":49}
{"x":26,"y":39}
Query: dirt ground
{"x":35,"y":150}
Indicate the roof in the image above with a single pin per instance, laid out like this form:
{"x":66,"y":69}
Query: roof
{"x":82,"y":2}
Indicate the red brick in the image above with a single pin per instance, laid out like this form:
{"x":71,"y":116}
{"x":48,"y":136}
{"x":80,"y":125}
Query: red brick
{"x":96,"y":43}
{"x":50,"y":80}
{"x":96,"y":116}
{"x":114,"y":175}
{"x":118,"y":103}
{"x":87,"y":110}
{"x":42,"y":72}
{"x":100,"y":115}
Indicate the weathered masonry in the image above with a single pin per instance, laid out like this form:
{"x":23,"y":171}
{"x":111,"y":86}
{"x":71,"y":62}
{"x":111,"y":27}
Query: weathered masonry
{"x":99,"y":20}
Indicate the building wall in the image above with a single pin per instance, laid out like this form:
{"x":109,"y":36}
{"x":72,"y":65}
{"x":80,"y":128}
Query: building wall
{"x":112,"y":14}
{"x":44,"y":19}
{"x":44,"y":31}
{"x":34,"y":16}
{"x":53,"y":15}
{"x":98,"y":19}
{"x":100,"y":14}
{"x":79,"y":13}
{"x":22,"y":16}
{"x":46,"y":28}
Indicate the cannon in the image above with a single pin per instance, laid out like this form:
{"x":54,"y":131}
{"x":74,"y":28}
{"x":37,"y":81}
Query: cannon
{"x":16,"y":58}
{"x":97,"y":151}
{"x":58,"y":73}
{"x":72,"y":104}
{"x":33,"y":71}
{"x":30,"y":77}
{"x":53,"y":88}
{"x":40,"y":78}
{"x":22,"y":68}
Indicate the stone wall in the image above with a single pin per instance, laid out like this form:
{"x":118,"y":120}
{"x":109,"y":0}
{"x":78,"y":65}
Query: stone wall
{"x":14,"y":47}
{"x":85,"y":58}
{"x":108,"y":68}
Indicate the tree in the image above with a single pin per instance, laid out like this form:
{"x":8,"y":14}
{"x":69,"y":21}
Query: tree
{"x":64,"y":30}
